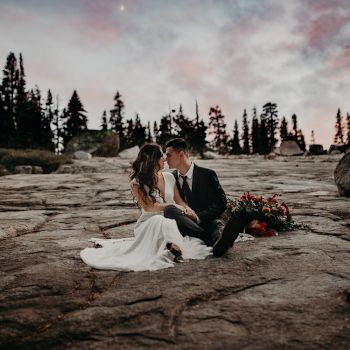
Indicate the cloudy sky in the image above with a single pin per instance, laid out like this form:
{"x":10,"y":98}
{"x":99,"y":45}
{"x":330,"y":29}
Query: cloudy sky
{"x":160,"y":53}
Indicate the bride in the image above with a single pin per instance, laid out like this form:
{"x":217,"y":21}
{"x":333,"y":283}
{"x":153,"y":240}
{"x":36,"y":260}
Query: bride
{"x":157,"y":242}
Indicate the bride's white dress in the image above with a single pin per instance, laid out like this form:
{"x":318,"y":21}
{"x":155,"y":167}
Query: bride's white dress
{"x":147,"y":249}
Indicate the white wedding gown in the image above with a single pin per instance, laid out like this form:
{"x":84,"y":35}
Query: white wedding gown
{"x":146,"y":251}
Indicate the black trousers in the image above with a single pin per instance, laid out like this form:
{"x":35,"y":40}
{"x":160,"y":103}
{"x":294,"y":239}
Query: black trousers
{"x":187,"y":227}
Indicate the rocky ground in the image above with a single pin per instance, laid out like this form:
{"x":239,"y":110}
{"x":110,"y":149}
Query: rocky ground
{"x":285,"y":292}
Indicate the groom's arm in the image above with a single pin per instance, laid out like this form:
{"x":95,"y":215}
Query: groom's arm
{"x":218,"y":201}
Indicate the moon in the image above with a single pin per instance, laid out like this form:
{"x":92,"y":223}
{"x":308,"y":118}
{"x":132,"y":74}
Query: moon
{"x":122,"y":7}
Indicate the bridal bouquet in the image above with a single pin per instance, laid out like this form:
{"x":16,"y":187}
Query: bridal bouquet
{"x":265,"y":216}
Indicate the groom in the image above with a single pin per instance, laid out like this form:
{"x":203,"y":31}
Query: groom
{"x":200,"y":188}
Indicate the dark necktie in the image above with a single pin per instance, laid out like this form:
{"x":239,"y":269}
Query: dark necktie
{"x":186,"y":189}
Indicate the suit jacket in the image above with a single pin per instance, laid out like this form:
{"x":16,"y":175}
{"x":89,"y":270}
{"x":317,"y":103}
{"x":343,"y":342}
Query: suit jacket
{"x":208,"y":199}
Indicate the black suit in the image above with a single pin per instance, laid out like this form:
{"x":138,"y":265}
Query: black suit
{"x":208,"y":200}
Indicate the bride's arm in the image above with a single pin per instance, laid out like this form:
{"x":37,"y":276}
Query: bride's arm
{"x":178,"y":200}
{"x":146,"y":203}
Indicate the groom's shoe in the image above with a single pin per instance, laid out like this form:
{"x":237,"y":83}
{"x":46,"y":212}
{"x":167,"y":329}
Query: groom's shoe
{"x":228,"y":236}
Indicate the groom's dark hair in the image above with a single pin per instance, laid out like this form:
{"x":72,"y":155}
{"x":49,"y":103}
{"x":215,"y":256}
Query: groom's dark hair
{"x":178,"y":144}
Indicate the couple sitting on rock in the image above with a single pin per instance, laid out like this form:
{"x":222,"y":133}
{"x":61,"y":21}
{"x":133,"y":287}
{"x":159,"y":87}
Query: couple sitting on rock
{"x":180,"y":214}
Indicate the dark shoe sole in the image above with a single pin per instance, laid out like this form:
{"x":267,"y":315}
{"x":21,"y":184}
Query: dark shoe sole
{"x":175,"y":251}
{"x":228,"y":237}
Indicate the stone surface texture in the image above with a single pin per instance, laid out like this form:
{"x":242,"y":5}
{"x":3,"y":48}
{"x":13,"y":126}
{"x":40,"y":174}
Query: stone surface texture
{"x":284,"y":292}
{"x":23,"y":169}
{"x":290,"y":148}
{"x":129,"y":153}
{"x":97,"y":142}
{"x":82,"y":155}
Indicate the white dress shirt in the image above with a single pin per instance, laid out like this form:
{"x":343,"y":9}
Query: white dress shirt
{"x":189,"y":175}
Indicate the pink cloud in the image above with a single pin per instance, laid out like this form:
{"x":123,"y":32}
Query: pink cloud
{"x":341,"y":62}
{"x":189,"y":69}
{"x":95,"y":22}
{"x":321,"y":22}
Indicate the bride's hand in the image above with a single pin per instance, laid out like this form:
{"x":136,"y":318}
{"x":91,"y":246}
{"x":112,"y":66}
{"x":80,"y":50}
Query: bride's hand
{"x":191,"y":214}
{"x":181,"y":207}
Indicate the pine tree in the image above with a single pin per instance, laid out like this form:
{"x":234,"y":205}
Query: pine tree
{"x":246,"y":146}
{"x":30,"y":131}
{"x":129,"y":131}
{"x":198,"y":141}
{"x":183,"y":126}
{"x":155,"y":131}
{"x":39,"y":129}
{"x":271,"y":116}
{"x":295,"y":127}
{"x":116,"y":119}
{"x":339,"y":134}
{"x":264,"y":136}
{"x":284,"y":129}
{"x":139,"y":133}
{"x":47,"y":138}
{"x":256,"y":144}
{"x":234,"y":145}
{"x":21,"y":85}
{"x":104,"y":122}
{"x":22,"y":108}
{"x":165,"y":130}
{"x":217,"y":128}
{"x":296,"y":134}
{"x":76,"y":120}
{"x":8,"y":92}
{"x":149,"y":138}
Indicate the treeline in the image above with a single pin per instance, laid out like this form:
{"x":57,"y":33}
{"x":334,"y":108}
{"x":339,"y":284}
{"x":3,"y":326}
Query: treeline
{"x":29,"y":121}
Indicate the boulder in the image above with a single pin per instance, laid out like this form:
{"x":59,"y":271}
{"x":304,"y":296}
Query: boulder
{"x":339,"y":148}
{"x":316,"y":149}
{"x":81,"y":155}
{"x":290,"y":148}
{"x":97,"y":142}
{"x":65,"y":169}
{"x":129,"y":153}
{"x":342,"y":176}
{"x":270,"y":156}
{"x":37,"y":169}
{"x":23,"y":169}
{"x":3,"y":171}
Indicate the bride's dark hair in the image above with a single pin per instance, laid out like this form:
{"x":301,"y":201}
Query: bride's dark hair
{"x":144,"y":169}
